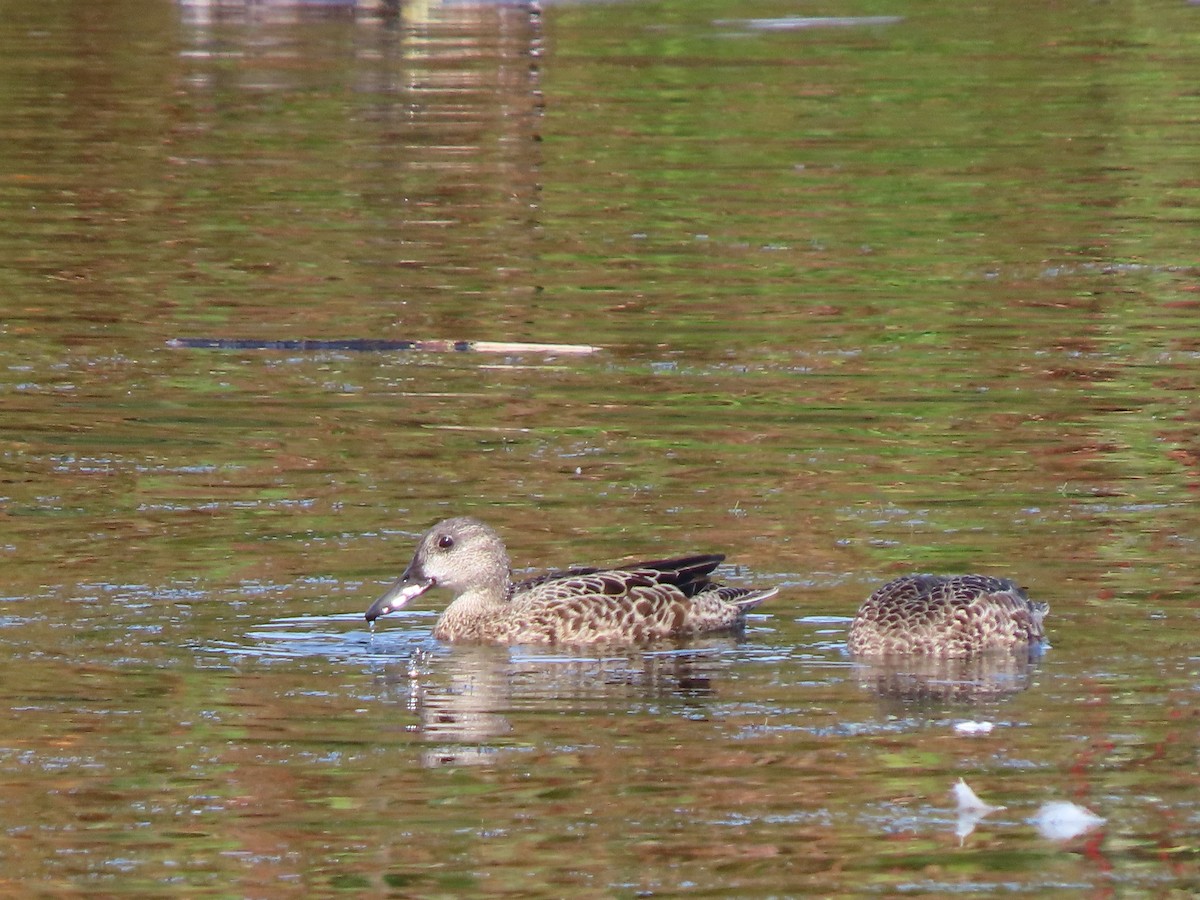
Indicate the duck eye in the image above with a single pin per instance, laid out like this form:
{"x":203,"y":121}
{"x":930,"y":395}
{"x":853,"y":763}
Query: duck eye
{"x":445,"y":542}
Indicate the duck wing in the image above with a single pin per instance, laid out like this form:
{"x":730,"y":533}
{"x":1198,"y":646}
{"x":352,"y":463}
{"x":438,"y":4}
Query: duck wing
{"x":688,"y":573}
{"x":645,"y":602}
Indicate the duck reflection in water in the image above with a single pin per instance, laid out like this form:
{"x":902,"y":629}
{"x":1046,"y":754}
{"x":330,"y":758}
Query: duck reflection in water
{"x":988,"y":676}
{"x":947,"y":637}
{"x":465,"y":697}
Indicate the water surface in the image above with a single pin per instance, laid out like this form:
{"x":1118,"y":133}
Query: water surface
{"x":878,"y":289}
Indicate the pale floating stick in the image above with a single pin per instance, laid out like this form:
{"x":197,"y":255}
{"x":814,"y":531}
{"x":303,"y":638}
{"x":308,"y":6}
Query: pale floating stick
{"x":503,"y":347}
{"x":368,"y":346}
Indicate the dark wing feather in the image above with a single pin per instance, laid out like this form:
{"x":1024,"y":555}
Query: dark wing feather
{"x":688,"y":573}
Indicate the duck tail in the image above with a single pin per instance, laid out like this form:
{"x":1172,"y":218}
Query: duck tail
{"x":746,"y":599}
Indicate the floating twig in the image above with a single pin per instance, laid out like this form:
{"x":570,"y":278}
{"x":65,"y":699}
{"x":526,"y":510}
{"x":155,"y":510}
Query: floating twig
{"x":363,"y":345}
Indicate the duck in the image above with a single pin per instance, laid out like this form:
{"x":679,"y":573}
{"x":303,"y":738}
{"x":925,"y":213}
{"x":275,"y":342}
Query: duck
{"x":947,"y":616}
{"x":628,"y":604}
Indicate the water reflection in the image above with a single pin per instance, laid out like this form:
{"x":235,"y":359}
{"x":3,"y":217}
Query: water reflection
{"x":440,"y":151}
{"x":970,"y":679}
{"x":464,"y":696}
{"x":286,"y":11}
{"x":871,"y":296}
{"x":462,"y":715}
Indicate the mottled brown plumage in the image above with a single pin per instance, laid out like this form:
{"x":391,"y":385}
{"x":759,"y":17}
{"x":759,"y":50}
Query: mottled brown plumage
{"x":947,"y":615}
{"x":635,"y":604}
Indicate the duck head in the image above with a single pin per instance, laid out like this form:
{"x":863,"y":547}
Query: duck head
{"x":461,"y":554}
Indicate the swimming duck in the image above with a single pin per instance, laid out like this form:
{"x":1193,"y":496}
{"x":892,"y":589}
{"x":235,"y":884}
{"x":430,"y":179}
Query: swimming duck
{"x":947,"y":615}
{"x":628,"y":604}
